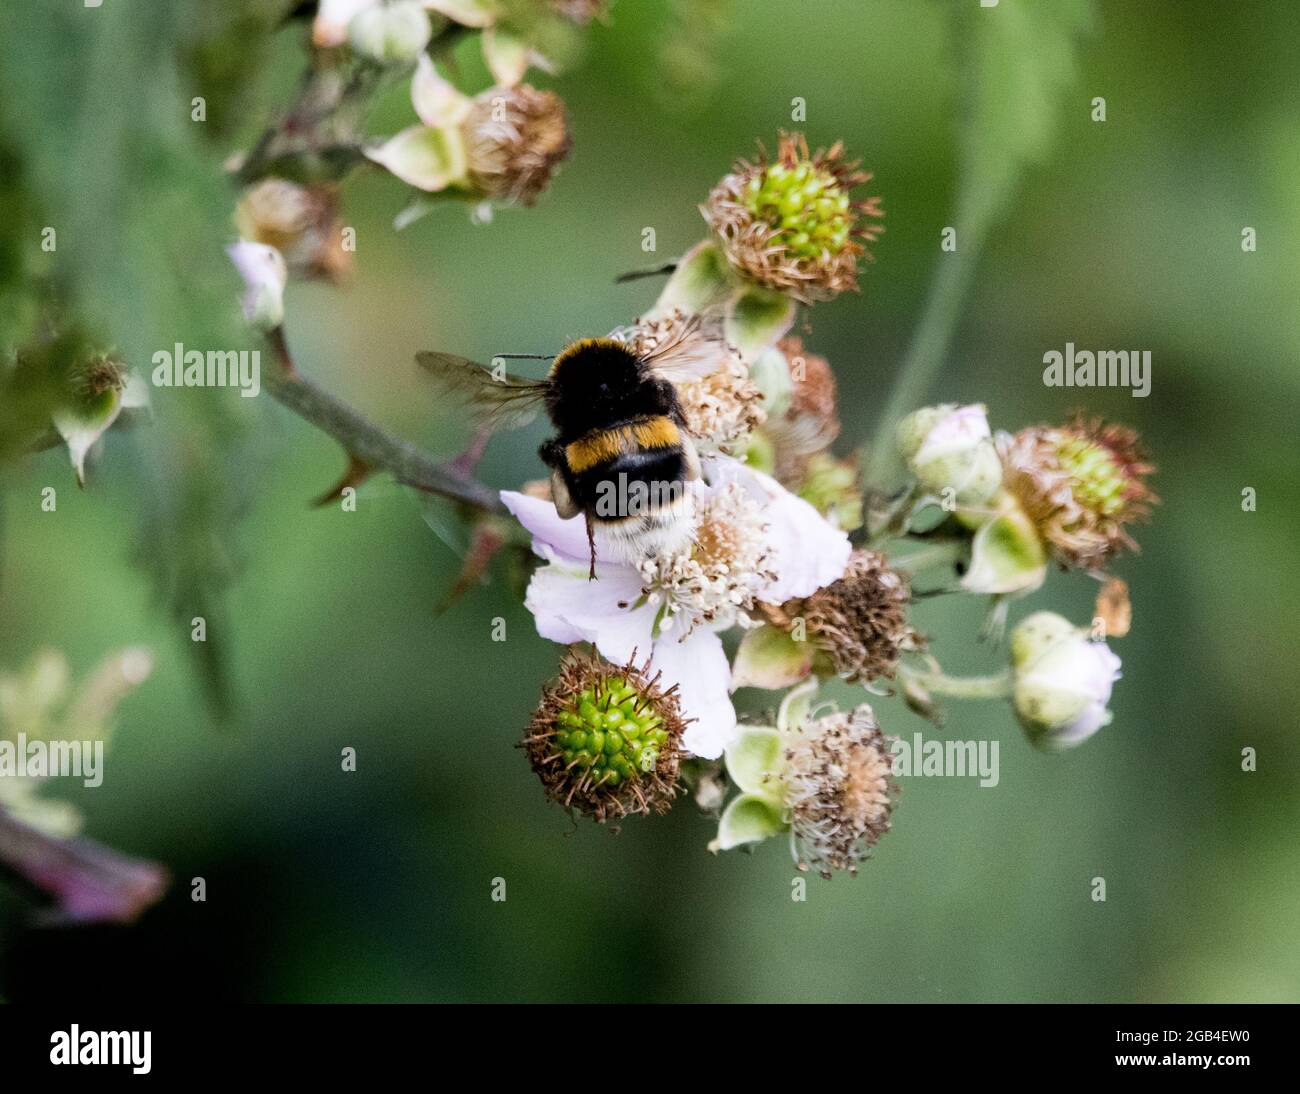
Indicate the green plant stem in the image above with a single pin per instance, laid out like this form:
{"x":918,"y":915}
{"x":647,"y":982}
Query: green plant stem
{"x":996,"y":686}
{"x":368,"y":443}
{"x":924,"y":357}
{"x":931,"y":555}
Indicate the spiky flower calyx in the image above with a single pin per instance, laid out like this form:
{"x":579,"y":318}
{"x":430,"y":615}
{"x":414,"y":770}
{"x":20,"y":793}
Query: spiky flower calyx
{"x":1081,"y":484}
{"x":515,"y":138}
{"x":790,"y":224}
{"x":858,"y":623}
{"x":606,"y":740}
{"x":838,"y":787}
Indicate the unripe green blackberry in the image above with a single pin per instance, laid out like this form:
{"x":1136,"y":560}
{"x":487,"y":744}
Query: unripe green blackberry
{"x":805,"y":206}
{"x":790,"y":224}
{"x":1081,"y":484}
{"x":606,"y":740}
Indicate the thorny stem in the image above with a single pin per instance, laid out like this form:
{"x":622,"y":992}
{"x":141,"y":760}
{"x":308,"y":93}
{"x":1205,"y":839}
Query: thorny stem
{"x":996,"y":686}
{"x":367,"y":442}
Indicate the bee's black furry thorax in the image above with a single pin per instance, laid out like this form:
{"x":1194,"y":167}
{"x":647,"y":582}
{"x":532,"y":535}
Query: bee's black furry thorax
{"x":599,"y":383}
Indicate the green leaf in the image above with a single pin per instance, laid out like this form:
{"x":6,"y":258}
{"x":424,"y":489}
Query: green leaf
{"x":1022,"y":60}
{"x":748,"y":819}
{"x":754,"y":761}
{"x":124,"y":166}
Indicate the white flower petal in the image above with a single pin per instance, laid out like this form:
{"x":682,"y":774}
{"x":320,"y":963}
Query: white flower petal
{"x":805,"y":549}
{"x":964,"y":428}
{"x":135,"y":395}
{"x":569,"y":608}
{"x":698,"y":666}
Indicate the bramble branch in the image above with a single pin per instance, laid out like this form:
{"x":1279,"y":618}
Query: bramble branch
{"x":366,"y":442}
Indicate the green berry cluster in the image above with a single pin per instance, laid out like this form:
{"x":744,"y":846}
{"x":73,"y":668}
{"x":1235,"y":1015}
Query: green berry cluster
{"x":806,"y":207}
{"x":605,"y":733}
{"x":1098,"y":481}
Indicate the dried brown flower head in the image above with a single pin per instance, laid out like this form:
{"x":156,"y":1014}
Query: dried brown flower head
{"x":790,"y":224}
{"x":1081,"y":484}
{"x":858,"y":623}
{"x":810,"y":423}
{"x":839,"y":789}
{"x":516,"y":136}
{"x":99,"y":375}
{"x":300,"y":222}
{"x":720,"y":403}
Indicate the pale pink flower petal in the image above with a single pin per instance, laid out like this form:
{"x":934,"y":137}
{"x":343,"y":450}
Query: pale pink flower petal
{"x":567,"y":538}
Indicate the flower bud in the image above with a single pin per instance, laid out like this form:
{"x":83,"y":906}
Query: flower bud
{"x":102,"y":389}
{"x":606,"y":740}
{"x":951,"y":448}
{"x":265,"y":274}
{"x":1062,"y":681}
{"x":330,"y":27}
{"x":790,"y":225}
{"x":391,"y":34}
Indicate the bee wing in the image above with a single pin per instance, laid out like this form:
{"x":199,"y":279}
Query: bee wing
{"x":696,"y":349}
{"x":494,"y":397}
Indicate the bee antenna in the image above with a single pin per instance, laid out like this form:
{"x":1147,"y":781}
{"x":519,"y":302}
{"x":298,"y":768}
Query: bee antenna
{"x":524,"y":356}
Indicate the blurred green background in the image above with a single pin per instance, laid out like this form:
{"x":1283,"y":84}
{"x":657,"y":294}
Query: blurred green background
{"x":323,"y":627}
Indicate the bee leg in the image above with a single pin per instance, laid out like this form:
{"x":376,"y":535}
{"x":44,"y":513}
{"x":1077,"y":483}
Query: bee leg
{"x":692,"y":459}
{"x":591,"y":542}
{"x":564,"y":504}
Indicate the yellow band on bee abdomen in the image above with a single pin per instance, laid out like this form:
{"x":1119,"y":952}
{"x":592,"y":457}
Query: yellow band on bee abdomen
{"x":602,"y":445}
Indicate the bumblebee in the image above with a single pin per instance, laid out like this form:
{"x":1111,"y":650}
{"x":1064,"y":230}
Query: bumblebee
{"x":621,"y":455}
